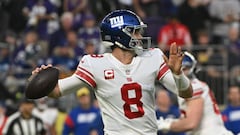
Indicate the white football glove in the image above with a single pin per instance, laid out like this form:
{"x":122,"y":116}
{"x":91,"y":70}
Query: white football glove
{"x":165,"y":124}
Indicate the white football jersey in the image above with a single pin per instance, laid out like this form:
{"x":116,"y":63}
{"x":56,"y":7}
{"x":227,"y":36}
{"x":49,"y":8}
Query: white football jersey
{"x":125,"y":93}
{"x":211,"y":122}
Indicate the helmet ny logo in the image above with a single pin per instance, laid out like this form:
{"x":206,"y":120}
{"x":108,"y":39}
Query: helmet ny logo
{"x":116,"y":21}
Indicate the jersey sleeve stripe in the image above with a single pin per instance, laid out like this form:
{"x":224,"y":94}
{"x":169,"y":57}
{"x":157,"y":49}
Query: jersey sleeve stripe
{"x":163,"y":70}
{"x":198,"y":93}
{"x":85,"y":70}
{"x":183,"y":113}
{"x":224,"y":118}
{"x":86,"y":78}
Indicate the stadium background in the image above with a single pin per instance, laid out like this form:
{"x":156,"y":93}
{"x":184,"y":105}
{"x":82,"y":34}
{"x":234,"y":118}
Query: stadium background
{"x":35,"y":32}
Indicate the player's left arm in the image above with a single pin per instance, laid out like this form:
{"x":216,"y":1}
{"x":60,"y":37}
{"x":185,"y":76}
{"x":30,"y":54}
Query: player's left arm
{"x":190,"y":121}
{"x":174,"y":62}
{"x":193,"y":116}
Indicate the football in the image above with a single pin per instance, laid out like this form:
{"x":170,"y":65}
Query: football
{"x":41,"y":83}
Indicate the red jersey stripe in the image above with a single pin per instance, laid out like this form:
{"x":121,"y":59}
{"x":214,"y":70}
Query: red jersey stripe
{"x":85,"y":70}
{"x":86,"y":78}
{"x":3,"y":124}
{"x":162,"y":65}
{"x":183,"y":112}
{"x":197,"y":93}
{"x":224,"y":118}
{"x":163,"y":69}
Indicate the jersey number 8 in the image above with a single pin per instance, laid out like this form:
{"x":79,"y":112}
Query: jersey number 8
{"x":132,"y":100}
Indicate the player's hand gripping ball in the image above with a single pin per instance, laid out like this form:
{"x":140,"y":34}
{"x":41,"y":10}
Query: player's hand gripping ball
{"x":42,"y":83}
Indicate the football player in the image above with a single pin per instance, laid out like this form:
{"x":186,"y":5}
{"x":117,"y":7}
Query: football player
{"x":200,"y":113}
{"x":123,"y":80}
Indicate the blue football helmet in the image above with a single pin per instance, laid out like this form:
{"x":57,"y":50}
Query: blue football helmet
{"x":118,"y":27}
{"x":189,"y":62}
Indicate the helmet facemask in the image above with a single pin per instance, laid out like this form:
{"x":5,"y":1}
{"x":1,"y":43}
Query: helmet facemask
{"x":138,"y":44}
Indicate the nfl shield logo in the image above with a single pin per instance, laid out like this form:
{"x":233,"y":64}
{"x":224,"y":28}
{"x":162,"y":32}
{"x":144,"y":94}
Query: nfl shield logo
{"x":109,"y":74}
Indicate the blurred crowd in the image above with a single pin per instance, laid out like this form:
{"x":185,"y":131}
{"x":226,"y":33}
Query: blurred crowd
{"x":60,"y":32}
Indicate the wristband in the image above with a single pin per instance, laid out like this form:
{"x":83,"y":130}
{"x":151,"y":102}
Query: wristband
{"x":182,"y":81}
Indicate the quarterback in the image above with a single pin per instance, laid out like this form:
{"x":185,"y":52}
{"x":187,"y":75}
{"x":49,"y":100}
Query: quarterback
{"x":123,"y":80}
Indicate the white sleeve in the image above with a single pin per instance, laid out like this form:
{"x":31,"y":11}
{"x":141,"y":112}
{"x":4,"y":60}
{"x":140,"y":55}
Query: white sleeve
{"x":70,"y":84}
{"x":82,"y":77}
{"x":85,"y":72}
{"x":169,"y":83}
